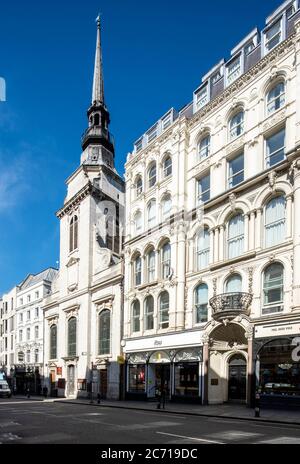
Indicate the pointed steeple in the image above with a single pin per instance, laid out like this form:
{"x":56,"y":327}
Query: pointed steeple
{"x":98,"y":86}
{"x":97,"y":138}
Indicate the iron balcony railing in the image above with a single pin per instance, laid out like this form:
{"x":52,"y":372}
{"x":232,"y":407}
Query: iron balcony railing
{"x":230,"y":305}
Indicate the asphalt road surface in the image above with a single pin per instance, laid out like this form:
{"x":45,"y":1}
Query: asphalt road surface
{"x":34,"y":422}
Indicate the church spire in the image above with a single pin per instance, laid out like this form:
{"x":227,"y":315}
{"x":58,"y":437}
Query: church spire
{"x":98,"y":86}
{"x":97,"y":137}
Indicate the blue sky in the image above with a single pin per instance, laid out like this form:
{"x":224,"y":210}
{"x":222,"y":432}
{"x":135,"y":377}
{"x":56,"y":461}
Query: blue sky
{"x":154,"y":53}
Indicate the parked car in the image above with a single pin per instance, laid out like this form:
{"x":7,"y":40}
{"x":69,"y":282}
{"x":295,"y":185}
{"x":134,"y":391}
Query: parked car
{"x":5,"y":391}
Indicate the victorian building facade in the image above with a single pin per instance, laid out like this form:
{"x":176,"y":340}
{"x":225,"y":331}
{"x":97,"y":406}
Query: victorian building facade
{"x":7,"y":332}
{"x":83,"y":324}
{"x":212,"y":263}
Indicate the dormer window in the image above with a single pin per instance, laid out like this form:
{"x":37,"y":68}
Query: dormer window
{"x":152,"y":134}
{"x":216,"y":77}
{"x":167,"y":121}
{"x":249,"y":47}
{"x":290,"y":11}
{"x":202,"y":97}
{"x":139,"y":145}
{"x":234,"y":70}
{"x":273,"y":36}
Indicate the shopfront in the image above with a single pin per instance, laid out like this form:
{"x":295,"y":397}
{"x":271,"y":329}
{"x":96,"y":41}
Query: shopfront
{"x":175,"y":370}
{"x":278,"y":364}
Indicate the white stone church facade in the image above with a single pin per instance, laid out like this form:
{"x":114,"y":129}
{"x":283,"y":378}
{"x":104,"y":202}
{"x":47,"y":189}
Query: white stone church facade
{"x":212,"y":264}
{"x":83,"y":325}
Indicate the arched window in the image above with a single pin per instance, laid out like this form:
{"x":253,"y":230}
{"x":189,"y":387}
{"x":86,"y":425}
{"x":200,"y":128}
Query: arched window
{"x":233,"y":284}
{"x":166,"y":260}
{"x":53,"y":342}
{"x":36,"y":356}
{"x":150,"y":257}
{"x":167,"y":166}
{"x":236,"y":125}
{"x":273,"y":289}
{"x":138,"y":222}
{"x":236,"y":236}
{"x":203,"y":249}
{"x":97,"y":119}
{"x":275,"y":98}
{"x":164,"y":310}
{"x":275,"y":221}
{"x":166,"y":206}
{"x":149,"y":313}
{"x":73,"y":233}
{"x":151,"y":213}
{"x":201,"y":303}
{"x":136,"y":313}
{"x":104,"y":332}
{"x":72,"y":336}
{"x":138,"y":186}
{"x":152,"y":175}
{"x":204,"y":147}
{"x":137,"y":270}
{"x":21,"y":357}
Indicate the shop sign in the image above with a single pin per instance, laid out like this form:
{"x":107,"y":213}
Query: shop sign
{"x":277,"y":330}
{"x":59,"y":370}
{"x":121,"y":360}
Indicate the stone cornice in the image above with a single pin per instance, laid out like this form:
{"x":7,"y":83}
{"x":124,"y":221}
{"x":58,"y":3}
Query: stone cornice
{"x":244,"y":80}
{"x":75,"y":200}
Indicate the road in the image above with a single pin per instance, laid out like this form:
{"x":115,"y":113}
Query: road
{"x":31,"y":422}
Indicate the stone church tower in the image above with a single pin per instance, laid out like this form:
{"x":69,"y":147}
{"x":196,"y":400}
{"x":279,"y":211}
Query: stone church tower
{"x":83,"y":313}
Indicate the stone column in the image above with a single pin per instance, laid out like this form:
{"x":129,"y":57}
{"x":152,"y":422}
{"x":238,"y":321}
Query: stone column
{"x":205,"y":371}
{"x":246,"y":232}
{"x":211,"y":246}
{"x":181,"y":268}
{"x":250,"y":366}
{"x":252,"y":231}
{"x":258,"y":237}
{"x":216,"y":244}
{"x":297,"y":83}
{"x":289,"y":204}
{"x":296,"y":274}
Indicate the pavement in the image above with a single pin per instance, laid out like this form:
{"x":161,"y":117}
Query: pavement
{"x":31,"y":421}
{"x":229,"y":411}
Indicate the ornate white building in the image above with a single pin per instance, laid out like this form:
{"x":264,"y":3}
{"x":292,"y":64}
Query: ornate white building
{"x":212,"y":248}
{"x":7,"y":331}
{"x":83,"y":324}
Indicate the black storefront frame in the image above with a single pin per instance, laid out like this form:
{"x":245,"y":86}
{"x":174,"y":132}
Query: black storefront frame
{"x":280,"y":401}
{"x":143,"y":396}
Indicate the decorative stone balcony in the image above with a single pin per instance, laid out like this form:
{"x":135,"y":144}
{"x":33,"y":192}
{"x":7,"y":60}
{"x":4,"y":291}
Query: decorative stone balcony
{"x":230,"y":305}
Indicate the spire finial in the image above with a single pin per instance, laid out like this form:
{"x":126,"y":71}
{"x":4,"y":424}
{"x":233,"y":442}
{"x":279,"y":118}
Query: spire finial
{"x":98,"y":87}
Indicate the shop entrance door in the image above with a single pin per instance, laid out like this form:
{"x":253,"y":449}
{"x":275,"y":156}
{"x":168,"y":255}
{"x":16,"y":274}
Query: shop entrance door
{"x":71,"y":380}
{"x":237,"y":379}
{"x":162,"y":378}
{"x":103,"y":383}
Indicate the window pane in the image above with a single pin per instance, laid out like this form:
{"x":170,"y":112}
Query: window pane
{"x":203,"y":249}
{"x":104,"y":333}
{"x":275,"y":148}
{"x":275,"y":221}
{"x":273,"y":36}
{"x":236,"y":170}
{"x":237,"y":125}
{"x":234,"y":284}
{"x":273,"y":288}
{"x":204,"y":147}
{"x":164,"y":310}
{"x":72,"y":337}
{"x":136,"y":316}
{"x":236,"y":236}
{"x":201,"y":303}
{"x":276,"y":98}
{"x":152,"y":176}
{"x":149,"y":308}
{"x":166,"y":260}
{"x":233,"y":70}
{"x":167,"y":167}
{"x":204,"y":189}
{"x":151,"y":266}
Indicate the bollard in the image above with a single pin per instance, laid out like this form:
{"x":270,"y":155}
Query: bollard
{"x":257,"y":405}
